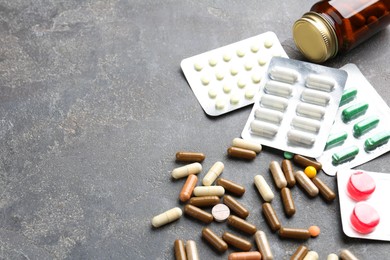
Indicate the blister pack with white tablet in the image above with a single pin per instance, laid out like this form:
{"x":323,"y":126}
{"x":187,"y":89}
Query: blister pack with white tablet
{"x":296,"y":106}
{"x":229,"y":77}
{"x":361,"y":129}
{"x":363,"y":206}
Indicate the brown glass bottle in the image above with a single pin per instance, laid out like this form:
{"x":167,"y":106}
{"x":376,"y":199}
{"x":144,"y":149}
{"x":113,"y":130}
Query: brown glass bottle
{"x":338,"y":26}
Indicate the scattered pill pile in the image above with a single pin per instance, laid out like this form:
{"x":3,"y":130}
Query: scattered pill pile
{"x":219,"y":194}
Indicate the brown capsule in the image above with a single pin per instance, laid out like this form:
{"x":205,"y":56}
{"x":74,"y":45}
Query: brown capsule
{"x":300,"y":253}
{"x":304,"y":162}
{"x":235,"y":206}
{"x":263,"y":245}
{"x":271,"y":217}
{"x":188,"y":187}
{"x":214,"y":240}
{"x":206,"y":201}
{"x":180,"y":251}
{"x":324,"y":189}
{"x":306,"y":183}
{"x":288,"y":202}
{"x":198,"y":213}
{"x":296,"y":233}
{"x":288,"y":172}
{"x":345,"y":254}
{"x":245,"y":256}
{"x":277,"y":174}
{"x":241,"y":224}
{"x":241,"y":153}
{"x":236,"y":241}
{"x":190,"y":157}
{"x":231,"y":187}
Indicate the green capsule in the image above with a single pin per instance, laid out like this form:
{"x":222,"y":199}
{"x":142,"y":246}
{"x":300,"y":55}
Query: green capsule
{"x":354,"y":111}
{"x":348,"y":96}
{"x":345,"y":154}
{"x":377,"y":140}
{"x":336,"y":139}
{"x":365,"y":125}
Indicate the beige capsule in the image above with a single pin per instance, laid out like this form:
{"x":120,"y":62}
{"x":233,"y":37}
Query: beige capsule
{"x":311,"y":255}
{"x":236,"y":241}
{"x":263,"y":245}
{"x":213,"y":173}
{"x":241,"y":224}
{"x":231,"y":186}
{"x":184,"y":171}
{"x":192,"y":250}
{"x":235,"y":206}
{"x":246,"y":144}
{"x":263,"y":188}
{"x":198,"y":214}
{"x":288,"y":172}
{"x":306,"y":183}
{"x":271,"y":217}
{"x":167,"y":217}
{"x":277,"y":174}
{"x":200,"y":191}
{"x":345,"y":254}
{"x":180,"y":251}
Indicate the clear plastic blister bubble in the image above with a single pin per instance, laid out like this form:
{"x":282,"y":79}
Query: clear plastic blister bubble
{"x":361,"y":129}
{"x":229,"y":77}
{"x":376,"y":206}
{"x":296,"y":106}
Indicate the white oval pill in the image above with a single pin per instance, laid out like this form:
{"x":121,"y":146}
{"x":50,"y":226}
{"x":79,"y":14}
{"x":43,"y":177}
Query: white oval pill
{"x":184,"y":171}
{"x":309,"y":110}
{"x":256,"y":78}
{"x":306,"y":124}
{"x":263,"y":128}
{"x":227,"y":57}
{"x":315,"y":97}
{"x":278,"y":88}
{"x":220,"y":104}
{"x":320,"y":82}
{"x":263,"y":188}
{"x":268,"y":43}
{"x":273,"y":102}
{"x":311,"y":255}
{"x":263,"y":60}
{"x":227,"y":88}
{"x":240,"y":53}
{"x":284,"y":74}
{"x":213,"y":173}
{"x":246,"y":144}
{"x":269,"y":115}
{"x":219,"y":75}
{"x":250,"y":94}
{"x":205,"y":80}
{"x":255,"y":48}
{"x":213,"y":62}
{"x":167,"y":217}
{"x":234,"y":99}
{"x":300,"y":138}
{"x":212,"y":93}
{"x":198,"y":66}
{"x":220,"y":212}
{"x":241,"y":83}
{"x":201,"y":191}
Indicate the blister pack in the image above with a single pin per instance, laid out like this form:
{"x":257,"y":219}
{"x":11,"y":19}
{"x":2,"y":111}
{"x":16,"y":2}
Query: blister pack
{"x":361,"y":129}
{"x":364,"y":210}
{"x":228,"y":78}
{"x":296,"y":106}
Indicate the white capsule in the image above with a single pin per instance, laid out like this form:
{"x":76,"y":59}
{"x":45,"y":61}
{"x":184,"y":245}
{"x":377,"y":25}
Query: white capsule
{"x":320,"y":82}
{"x":263,"y":128}
{"x":246,"y":144}
{"x":201,"y":191}
{"x":213,"y":173}
{"x":184,"y":171}
{"x":306,"y":124}
{"x":315,"y":97}
{"x":300,"y":138}
{"x":192,"y":250}
{"x":269,"y":115}
{"x":273,"y":102}
{"x":167,"y":217}
{"x":332,"y":257}
{"x":278,"y":88}
{"x":284,"y":75}
{"x":311,"y":255}
{"x":312,"y":111}
{"x":263,"y":188}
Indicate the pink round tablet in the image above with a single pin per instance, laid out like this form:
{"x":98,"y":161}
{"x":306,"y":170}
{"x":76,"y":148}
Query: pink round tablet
{"x":360,"y":186}
{"x":364,"y":218}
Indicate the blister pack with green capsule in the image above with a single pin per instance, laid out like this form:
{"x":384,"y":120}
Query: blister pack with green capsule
{"x":361,"y":131}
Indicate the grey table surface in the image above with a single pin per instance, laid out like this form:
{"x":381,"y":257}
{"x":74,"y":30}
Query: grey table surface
{"x":94,"y":107}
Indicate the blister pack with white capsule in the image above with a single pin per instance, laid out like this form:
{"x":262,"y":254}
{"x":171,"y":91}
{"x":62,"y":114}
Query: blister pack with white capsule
{"x":363,"y":206}
{"x":229,"y":77}
{"x":361,"y":129}
{"x":296,"y":106}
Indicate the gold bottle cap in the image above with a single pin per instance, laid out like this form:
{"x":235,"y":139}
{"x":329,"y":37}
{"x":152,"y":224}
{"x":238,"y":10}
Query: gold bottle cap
{"x":315,"y":37}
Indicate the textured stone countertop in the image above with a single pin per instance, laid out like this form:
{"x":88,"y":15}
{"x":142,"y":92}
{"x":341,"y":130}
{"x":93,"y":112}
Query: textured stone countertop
{"x":94,"y":106}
